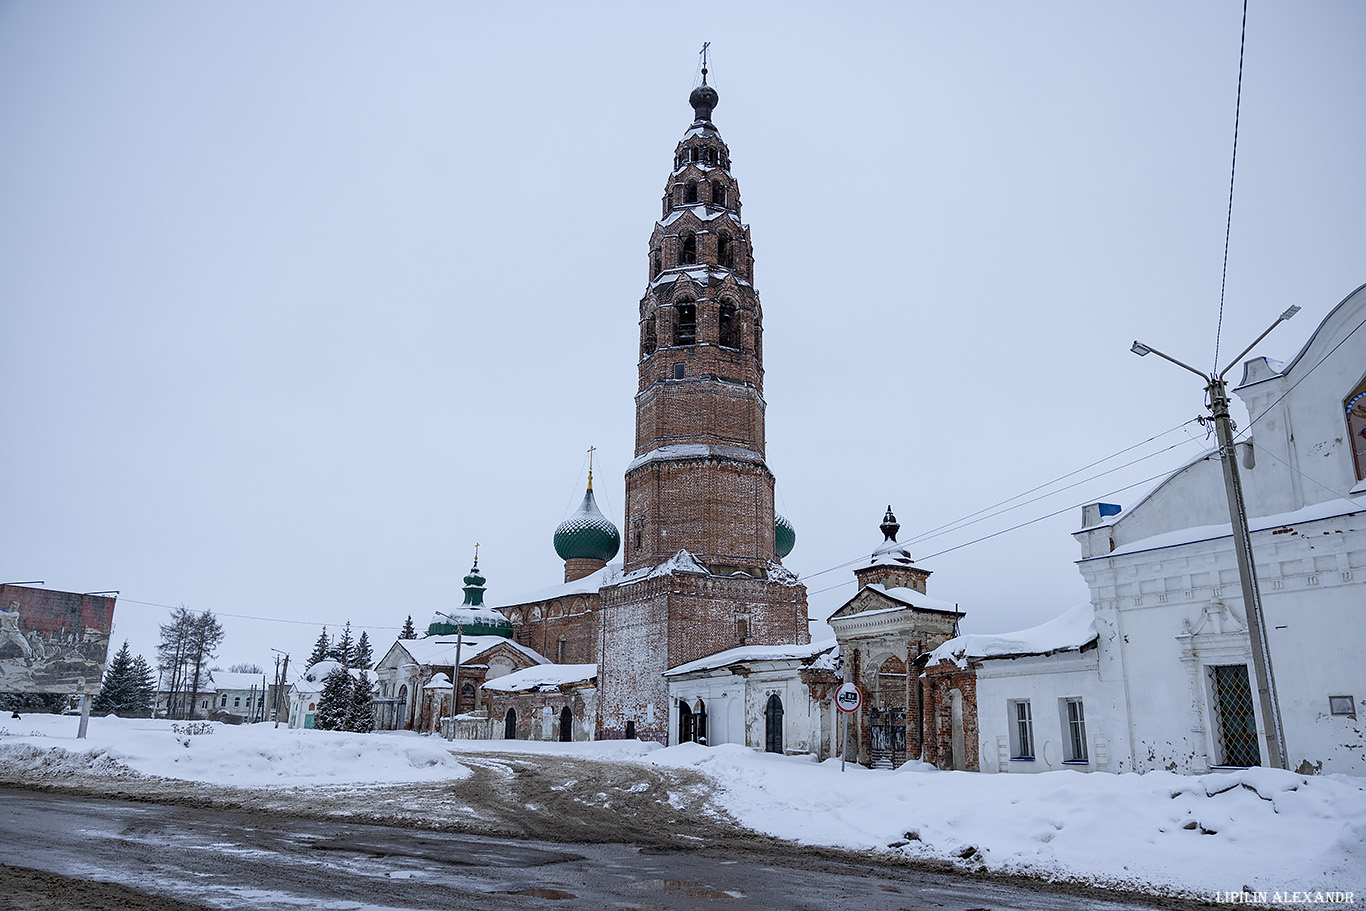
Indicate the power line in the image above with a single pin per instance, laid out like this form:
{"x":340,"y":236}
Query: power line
{"x":1317,"y":365}
{"x":1232,"y":170}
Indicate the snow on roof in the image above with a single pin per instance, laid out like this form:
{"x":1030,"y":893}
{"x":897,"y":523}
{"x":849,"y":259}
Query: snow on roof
{"x":467,"y":614}
{"x":311,"y":681}
{"x":747,"y":653}
{"x":227,"y":680}
{"x":587,"y":585}
{"x":694,"y":451}
{"x":890,"y":553}
{"x":439,"y":681}
{"x":543,"y":678}
{"x":1325,"y":510}
{"x":1064,"y":633}
{"x":441,"y":649}
{"x":706,"y":213}
{"x":911,"y":597}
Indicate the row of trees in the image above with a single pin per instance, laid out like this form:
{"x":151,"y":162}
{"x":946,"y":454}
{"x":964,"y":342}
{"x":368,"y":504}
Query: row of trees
{"x":346,"y":700}
{"x":189,"y":643}
{"x":343,"y":649}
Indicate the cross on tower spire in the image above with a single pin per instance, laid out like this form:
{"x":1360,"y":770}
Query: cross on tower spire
{"x":591,"y":450}
{"x":703,"y":53}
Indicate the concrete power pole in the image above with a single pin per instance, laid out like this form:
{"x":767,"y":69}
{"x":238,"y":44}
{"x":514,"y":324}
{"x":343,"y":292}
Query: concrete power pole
{"x":1217,"y":392}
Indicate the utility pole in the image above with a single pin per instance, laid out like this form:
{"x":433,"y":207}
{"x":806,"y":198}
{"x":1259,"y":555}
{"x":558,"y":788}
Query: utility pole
{"x":1216,"y":391}
{"x":281,"y":675}
{"x":455,"y":677}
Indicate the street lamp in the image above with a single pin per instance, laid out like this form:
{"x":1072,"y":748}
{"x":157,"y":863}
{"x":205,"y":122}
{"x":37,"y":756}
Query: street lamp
{"x":1216,"y":391}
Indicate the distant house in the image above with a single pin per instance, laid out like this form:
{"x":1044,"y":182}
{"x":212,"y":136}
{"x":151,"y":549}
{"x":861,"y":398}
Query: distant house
{"x":240,"y":697}
{"x":543,"y":702}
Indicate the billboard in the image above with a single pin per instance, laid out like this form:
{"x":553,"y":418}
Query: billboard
{"x":53,"y":642}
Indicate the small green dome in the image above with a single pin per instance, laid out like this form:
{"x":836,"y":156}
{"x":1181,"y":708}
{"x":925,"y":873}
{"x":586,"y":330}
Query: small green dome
{"x":587,"y":534}
{"x":784,"y":535}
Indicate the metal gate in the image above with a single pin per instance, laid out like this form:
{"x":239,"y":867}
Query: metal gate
{"x":887,"y":729}
{"x":773,"y":725}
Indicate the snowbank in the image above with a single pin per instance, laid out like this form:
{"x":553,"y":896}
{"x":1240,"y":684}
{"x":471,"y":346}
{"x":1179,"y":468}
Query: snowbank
{"x":248,"y":756}
{"x":1159,"y":831}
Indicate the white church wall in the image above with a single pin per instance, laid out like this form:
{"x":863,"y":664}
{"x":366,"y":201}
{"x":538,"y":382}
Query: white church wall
{"x":1045,"y":682}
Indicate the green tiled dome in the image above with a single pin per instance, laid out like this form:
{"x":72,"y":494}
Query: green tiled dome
{"x":587,"y":534}
{"x":784,"y":535}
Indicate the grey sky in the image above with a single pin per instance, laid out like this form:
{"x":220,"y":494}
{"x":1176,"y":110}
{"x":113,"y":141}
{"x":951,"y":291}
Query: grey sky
{"x":302,"y":300}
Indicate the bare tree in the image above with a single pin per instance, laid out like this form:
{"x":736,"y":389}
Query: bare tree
{"x":205,"y":634}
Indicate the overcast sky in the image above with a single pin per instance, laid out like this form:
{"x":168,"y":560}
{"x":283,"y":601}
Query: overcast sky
{"x":301,"y":301}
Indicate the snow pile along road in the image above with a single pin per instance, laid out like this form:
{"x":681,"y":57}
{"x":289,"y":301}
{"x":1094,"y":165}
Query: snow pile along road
{"x":245,"y":756}
{"x":1196,"y":835}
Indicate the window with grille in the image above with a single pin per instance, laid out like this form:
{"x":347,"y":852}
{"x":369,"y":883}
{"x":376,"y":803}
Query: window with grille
{"x":1021,"y":730}
{"x":1235,"y":720}
{"x":1074,"y":730}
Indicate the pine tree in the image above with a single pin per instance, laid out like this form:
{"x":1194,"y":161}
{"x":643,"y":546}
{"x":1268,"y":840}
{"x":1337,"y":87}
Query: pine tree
{"x":334,"y":702}
{"x":344,"y":649}
{"x":144,"y":686}
{"x":320,"y":648}
{"x":408,"y":632}
{"x":116,"y":692}
{"x":365,"y":656}
{"x":361,"y":715}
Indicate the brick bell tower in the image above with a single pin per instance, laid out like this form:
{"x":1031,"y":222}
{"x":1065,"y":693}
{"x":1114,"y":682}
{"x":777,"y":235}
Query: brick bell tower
{"x":699,"y":482}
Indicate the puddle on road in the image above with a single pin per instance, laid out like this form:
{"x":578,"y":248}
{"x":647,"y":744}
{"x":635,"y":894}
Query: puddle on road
{"x":538,"y":892}
{"x":695,"y":890}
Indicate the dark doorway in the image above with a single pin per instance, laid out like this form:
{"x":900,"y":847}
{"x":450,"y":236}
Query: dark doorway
{"x":773,"y":725}
{"x":510,"y":725}
{"x":566,"y":725}
{"x":686,"y":731}
{"x":630,"y":730}
{"x":699,"y":725}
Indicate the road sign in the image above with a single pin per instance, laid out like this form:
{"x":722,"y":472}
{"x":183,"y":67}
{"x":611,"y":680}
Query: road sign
{"x":848,"y":699}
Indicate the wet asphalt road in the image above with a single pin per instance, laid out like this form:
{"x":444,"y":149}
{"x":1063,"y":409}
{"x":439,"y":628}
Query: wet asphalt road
{"x":261,"y":861}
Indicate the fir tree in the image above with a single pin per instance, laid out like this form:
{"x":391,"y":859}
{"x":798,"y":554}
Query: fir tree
{"x":116,"y":693}
{"x":344,"y":649}
{"x":144,"y":685}
{"x":408,"y":632}
{"x":365,"y":656}
{"x":320,"y":648}
{"x":334,"y":702}
{"x":361,"y":715}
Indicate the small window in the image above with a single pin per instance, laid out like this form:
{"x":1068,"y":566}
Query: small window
{"x":741,"y":628}
{"x":688,"y":250}
{"x":1074,"y":730}
{"x":1021,"y":730}
{"x":561,"y":649}
{"x":1342,"y":705}
{"x":648,"y":343}
{"x":710,"y":154}
{"x":685,"y":328}
{"x":718,"y":193}
{"x":224,"y":703}
{"x":237,"y":702}
{"x":690,"y":192}
{"x":679,"y":371}
{"x":668,"y":203}
{"x":696,"y":154}
{"x":1235,"y":719}
{"x":730,"y":327}
{"x":656,"y":265}
{"x":725,"y":250}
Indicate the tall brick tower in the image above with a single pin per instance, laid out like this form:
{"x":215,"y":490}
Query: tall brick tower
{"x":703,"y":544}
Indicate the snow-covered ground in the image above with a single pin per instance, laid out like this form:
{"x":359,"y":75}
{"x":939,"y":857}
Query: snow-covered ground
{"x":1201,"y":836}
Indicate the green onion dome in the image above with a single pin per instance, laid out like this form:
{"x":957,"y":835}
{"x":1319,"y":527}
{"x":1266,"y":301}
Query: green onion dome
{"x":587,"y":534}
{"x":784,"y":535}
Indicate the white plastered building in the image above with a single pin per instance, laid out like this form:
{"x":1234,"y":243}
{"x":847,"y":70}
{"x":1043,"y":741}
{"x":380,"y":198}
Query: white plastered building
{"x":1170,"y":683}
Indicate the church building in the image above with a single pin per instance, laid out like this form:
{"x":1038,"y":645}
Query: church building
{"x":701,"y":564}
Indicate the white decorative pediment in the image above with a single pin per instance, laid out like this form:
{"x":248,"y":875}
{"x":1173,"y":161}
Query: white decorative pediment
{"x":1214,"y":618}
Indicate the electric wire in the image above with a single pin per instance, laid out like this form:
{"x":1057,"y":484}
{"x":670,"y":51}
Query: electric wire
{"x":1306,"y":376}
{"x":1233,"y":169}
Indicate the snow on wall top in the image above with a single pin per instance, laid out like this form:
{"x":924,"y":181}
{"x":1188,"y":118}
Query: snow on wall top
{"x":694,"y":451}
{"x":1067,"y":632}
{"x":543,"y":678}
{"x":706,"y":213}
{"x":1312,"y":513}
{"x":755,"y":653}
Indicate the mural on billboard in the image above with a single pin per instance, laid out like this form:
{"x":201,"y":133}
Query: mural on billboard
{"x":52,"y":642}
